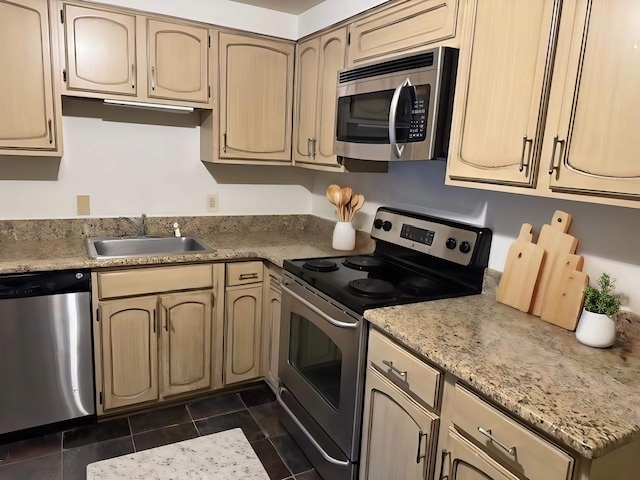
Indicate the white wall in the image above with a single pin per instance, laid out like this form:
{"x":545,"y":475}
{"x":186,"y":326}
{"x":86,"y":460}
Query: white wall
{"x":222,"y":12}
{"x":132,"y":161}
{"x":608,"y":235}
{"x":330,"y":12}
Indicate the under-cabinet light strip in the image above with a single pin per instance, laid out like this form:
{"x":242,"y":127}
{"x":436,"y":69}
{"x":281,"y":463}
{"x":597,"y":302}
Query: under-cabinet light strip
{"x":151,"y":106}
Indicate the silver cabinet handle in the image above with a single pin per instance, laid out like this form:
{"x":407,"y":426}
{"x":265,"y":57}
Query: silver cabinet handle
{"x":313,"y":441}
{"x":247,"y":276}
{"x":525,"y":140}
{"x":556,"y":141}
{"x":133,"y":76}
{"x":50,"y":124}
{"x":418,"y":456}
{"x":444,"y":457}
{"x":402,"y":374}
{"x":153,"y":78}
{"x":397,"y":149}
{"x":309,"y":140}
{"x":224,"y":142}
{"x":487,"y":433}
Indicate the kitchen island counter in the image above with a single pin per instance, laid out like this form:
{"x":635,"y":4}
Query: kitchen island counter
{"x":587,"y":399}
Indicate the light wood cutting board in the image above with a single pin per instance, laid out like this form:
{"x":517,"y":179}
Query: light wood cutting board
{"x":565,"y":293}
{"x":556,"y":243}
{"x":520,"y":271}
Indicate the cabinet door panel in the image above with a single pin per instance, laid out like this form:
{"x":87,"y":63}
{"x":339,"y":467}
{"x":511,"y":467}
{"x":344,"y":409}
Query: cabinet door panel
{"x":332,"y":56}
{"x":404,"y":26}
{"x":129,"y":351}
{"x":601,"y":101}
{"x":271,"y":329}
{"x":499,"y":95}
{"x":26,"y":99}
{"x":307,"y":85}
{"x":386,"y":456}
{"x":469,"y":463}
{"x":186,"y":342}
{"x":178,"y":63}
{"x":243,"y":328}
{"x":256,"y":85}
{"x":101,"y":54}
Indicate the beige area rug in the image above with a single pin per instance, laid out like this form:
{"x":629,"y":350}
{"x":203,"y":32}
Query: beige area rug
{"x":220,"y":456}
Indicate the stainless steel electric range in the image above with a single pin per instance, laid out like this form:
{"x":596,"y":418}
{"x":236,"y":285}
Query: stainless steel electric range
{"x":323,"y":333}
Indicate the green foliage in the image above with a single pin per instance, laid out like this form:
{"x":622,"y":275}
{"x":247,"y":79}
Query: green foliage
{"x":602,"y":301}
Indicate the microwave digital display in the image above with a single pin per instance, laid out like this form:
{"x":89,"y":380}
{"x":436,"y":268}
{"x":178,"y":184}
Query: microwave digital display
{"x":364,"y":118}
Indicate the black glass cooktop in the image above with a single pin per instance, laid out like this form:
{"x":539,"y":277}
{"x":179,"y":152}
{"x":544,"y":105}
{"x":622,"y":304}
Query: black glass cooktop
{"x":365,"y":281}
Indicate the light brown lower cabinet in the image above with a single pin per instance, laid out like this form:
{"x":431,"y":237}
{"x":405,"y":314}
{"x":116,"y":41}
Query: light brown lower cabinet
{"x":398,"y":434}
{"x":243,"y":322}
{"x":271,"y":309}
{"x":134,"y":357}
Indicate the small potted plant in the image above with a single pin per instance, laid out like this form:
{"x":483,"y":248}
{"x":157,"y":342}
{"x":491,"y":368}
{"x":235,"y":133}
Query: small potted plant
{"x":597,"y":327}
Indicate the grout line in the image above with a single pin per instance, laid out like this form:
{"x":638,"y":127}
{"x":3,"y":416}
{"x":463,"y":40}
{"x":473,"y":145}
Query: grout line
{"x":281,"y":458}
{"x":133,"y":442}
{"x":192,"y":420}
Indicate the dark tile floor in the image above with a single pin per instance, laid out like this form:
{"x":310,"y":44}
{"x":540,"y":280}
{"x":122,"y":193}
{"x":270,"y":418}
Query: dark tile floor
{"x":254,"y":409}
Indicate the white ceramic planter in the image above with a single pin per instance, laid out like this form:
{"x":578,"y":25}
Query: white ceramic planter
{"x":596,"y":330}
{"x":344,"y":236}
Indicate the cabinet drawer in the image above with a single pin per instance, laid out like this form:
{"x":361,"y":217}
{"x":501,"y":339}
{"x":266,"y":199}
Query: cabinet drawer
{"x":536,"y":458}
{"x":243,"y":273}
{"x":154,"y":280}
{"x":404,"y":369}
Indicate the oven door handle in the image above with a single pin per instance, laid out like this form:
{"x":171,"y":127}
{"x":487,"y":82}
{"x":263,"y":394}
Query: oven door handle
{"x":311,"y":306}
{"x":393,"y":111}
{"x":325,"y":455}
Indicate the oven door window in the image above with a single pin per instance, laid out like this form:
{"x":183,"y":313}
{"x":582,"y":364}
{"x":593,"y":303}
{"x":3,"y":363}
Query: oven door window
{"x":364,"y":118}
{"x":316,"y":357}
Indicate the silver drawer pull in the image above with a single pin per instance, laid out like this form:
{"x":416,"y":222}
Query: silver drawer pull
{"x":487,"y":433}
{"x":247,"y":276}
{"x":418,"y":456}
{"x":400,"y":373}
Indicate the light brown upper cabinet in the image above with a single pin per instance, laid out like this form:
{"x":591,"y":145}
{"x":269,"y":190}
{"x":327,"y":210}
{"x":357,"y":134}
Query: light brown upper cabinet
{"x":178,"y":61}
{"x":500,"y":93}
{"x":114,"y":53}
{"x":317,"y":65}
{"x":101,"y":50}
{"x":29,"y":105}
{"x":402,"y":27}
{"x":547,"y":99}
{"x":592,"y":141}
{"x":256,"y":99}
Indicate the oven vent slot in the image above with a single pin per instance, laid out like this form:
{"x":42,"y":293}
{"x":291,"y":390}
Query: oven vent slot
{"x":391,"y":66}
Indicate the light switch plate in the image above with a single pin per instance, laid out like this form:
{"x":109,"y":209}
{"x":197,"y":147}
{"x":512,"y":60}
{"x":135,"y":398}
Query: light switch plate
{"x":84,"y":204}
{"x":212,"y":202}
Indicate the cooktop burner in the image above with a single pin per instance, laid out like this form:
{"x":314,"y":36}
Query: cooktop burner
{"x":372,"y":287}
{"x":418,"y":285}
{"x":363,"y":263}
{"x":320,"y":265}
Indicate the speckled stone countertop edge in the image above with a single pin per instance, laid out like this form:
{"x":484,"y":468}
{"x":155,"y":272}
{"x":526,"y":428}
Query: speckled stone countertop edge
{"x":560,"y":387}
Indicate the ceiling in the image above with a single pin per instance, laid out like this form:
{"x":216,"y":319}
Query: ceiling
{"x":289,"y":6}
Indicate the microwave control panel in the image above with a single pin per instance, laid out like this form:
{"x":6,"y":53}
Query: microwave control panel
{"x":418,"y":122}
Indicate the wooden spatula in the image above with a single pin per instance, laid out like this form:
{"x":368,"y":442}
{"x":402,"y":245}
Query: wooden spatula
{"x":520,"y":271}
{"x":556,"y":243}
{"x":565,"y":293}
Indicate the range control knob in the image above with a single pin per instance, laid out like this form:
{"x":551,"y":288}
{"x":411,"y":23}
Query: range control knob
{"x":465,"y":247}
{"x":451,"y":243}
{"x":377,"y":223}
{"x":386,"y":226}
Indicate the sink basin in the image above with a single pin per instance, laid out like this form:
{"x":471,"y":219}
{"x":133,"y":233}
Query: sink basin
{"x":110,"y":247}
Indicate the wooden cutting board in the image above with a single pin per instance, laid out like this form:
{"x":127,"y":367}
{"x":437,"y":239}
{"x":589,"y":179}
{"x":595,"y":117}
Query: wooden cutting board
{"x":556,"y":243}
{"x":565,"y":293}
{"x":520,"y":271}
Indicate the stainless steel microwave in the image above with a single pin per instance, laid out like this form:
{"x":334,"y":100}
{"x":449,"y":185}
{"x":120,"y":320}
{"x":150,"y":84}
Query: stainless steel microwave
{"x":397,"y":109}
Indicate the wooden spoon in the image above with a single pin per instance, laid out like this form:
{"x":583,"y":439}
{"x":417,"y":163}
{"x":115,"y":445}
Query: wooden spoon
{"x":357,"y":201}
{"x":331,"y":190}
{"x":337,"y":201}
{"x":347,"y":193}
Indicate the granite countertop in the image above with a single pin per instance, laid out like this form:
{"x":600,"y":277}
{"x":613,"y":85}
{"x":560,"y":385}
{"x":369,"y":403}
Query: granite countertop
{"x":587,"y":399}
{"x":53,"y":249}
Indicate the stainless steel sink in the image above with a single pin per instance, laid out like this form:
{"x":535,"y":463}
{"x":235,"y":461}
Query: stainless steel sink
{"x":111,"y":247}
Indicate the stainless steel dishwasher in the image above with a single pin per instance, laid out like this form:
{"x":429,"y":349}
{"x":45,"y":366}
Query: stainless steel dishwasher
{"x":46,"y":361}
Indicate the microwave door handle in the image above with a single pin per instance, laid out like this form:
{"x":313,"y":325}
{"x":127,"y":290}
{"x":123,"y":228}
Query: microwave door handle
{"x":395,"y":148}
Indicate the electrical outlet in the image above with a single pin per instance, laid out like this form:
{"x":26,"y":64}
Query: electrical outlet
{"x":212,"y":202}
{"x":83,"y":204}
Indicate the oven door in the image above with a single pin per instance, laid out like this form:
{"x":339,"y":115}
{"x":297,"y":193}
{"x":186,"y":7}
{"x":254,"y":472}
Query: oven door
{"x":321,"y":364}
{"x":387,"y":118}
